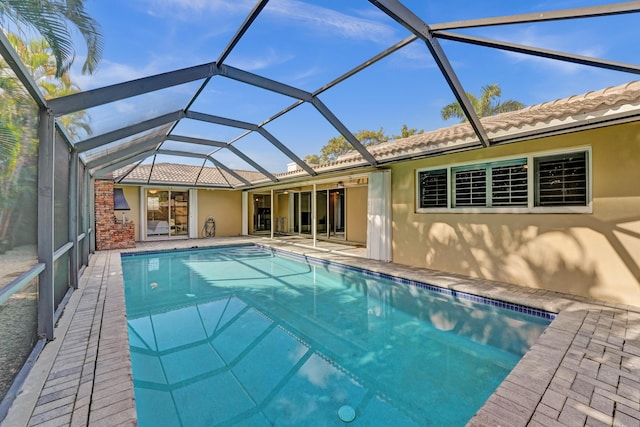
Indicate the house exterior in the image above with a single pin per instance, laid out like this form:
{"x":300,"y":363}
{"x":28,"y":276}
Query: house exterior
{"x":558,"y":209}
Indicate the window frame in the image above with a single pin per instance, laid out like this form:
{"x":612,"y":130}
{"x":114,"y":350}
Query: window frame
{"x":529,"y":161}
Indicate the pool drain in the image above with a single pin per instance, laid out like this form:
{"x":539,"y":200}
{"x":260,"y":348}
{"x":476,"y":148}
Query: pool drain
{"x":346,"y":413}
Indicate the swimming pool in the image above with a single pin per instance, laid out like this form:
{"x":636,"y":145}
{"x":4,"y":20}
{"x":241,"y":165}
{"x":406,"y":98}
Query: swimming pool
{"x":245,"y":336}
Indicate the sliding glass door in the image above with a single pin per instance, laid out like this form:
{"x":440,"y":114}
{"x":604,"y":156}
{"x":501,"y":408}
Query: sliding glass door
{"x":167,"y":213}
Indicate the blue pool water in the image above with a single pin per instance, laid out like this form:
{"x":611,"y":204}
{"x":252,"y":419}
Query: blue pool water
{"x":242,"y":336}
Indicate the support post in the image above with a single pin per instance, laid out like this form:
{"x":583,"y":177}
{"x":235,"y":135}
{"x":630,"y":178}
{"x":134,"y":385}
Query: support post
{"x":245,"y":213}
{"x":314,"y":227}
{"x":73,"y":219}
{"x":272,"y":222}
{"x":92,"y":214}
{"x":86,"y":224}
{"x":46,"y":178}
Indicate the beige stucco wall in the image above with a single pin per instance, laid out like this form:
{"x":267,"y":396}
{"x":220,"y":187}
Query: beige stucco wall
{"x":281,"y":209}
{"x":595,"y":255}
{"x":356,"y":214}
{"x":225,"y":206}
{"x":132,"y":194}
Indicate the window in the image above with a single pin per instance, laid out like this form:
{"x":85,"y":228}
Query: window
{"x":557,"y":182}
{"x":470,"y":187}
{"x":509,"y":185}
{"x":433,"y":188}
{"x":495,"y":184}
{"x":561,"y":180}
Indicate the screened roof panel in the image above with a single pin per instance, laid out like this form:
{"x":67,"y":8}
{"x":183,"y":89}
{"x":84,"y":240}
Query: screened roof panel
{"x":206,"y":130}
{"x":148,"y":37}
{"x":302,"y":141}
{"x":232,"y":99}
{"x":172,"y":169}
{"x":187,"y":147}
{"x":327,"y":52}
{"x":129,"y":111}
{"x":212,"y":175}
{"x":234,"y":161}
{"x":306,"y":44}
{"x":361,"y":108}
{"x":546,"y":79}
{"x":258,"y":148}
{"x":125,"y":144}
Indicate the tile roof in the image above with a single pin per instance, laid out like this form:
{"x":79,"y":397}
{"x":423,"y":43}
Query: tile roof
{"x":171,"y":173}
{"x":571,"y":110}
{"x":576,"y":110}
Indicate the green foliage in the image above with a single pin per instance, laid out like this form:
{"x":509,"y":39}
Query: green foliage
{"x":18,"y":132}
{"x":488,"y":104}
{"x":339,"y":145}
{"x":405,"y":132}
{"x":312,"y":159}
{"x":51,"y":18}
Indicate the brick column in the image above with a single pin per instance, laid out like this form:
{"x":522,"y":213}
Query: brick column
{"x":109,"y":233}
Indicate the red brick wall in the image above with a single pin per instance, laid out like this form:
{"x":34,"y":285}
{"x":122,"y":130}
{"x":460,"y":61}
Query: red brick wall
{"x":109,"y":233}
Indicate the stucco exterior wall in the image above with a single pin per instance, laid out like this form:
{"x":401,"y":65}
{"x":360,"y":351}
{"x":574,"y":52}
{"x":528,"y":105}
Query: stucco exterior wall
{"x":225,"y":206}
{"x":356,"y":214}
{"x":595,"y":255}
{"x":132,"y":194}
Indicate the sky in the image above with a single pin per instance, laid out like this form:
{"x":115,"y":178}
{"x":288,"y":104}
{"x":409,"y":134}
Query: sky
{"x":307,"y":44}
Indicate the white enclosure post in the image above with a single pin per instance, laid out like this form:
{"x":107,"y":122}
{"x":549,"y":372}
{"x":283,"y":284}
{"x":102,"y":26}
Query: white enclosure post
{"x":245,"y":213}
{"x":379,"y":216}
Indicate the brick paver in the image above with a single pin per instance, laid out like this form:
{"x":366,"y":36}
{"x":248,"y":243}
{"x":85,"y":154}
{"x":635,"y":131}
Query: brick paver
{"x":583,"y":371}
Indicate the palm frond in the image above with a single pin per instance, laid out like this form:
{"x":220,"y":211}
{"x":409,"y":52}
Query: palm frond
{"x":51,"y":19}
{"x":89,"y":28}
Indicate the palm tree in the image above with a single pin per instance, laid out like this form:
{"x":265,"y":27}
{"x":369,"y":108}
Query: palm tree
{"x":486,"y":105}
{"x":51,"y":18}
{"x":18,"y":125}
{"x":39,"y":59}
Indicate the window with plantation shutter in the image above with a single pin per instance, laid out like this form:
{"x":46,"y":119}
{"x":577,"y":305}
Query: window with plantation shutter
{"x":561,"y":180}
{"x":547,"y":182}
{"x":509,"y":185}
{"x":433,"y":188}
{"x":470,"y":187}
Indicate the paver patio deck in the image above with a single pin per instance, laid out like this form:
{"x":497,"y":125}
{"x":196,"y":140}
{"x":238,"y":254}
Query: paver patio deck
{"x":583,"y":371}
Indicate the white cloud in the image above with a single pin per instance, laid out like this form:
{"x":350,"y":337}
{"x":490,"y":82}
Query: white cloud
{"x":185,"y":8}
{"x":555,"y":42}
{"x":416,"y":55}
{"x":304,"y":75}
{"x":330,"y":20}
{"x":110,"y":72}
{"x":259,"y":62}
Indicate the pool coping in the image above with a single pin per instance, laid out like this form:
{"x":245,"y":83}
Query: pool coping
{"x":583,"y":370}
